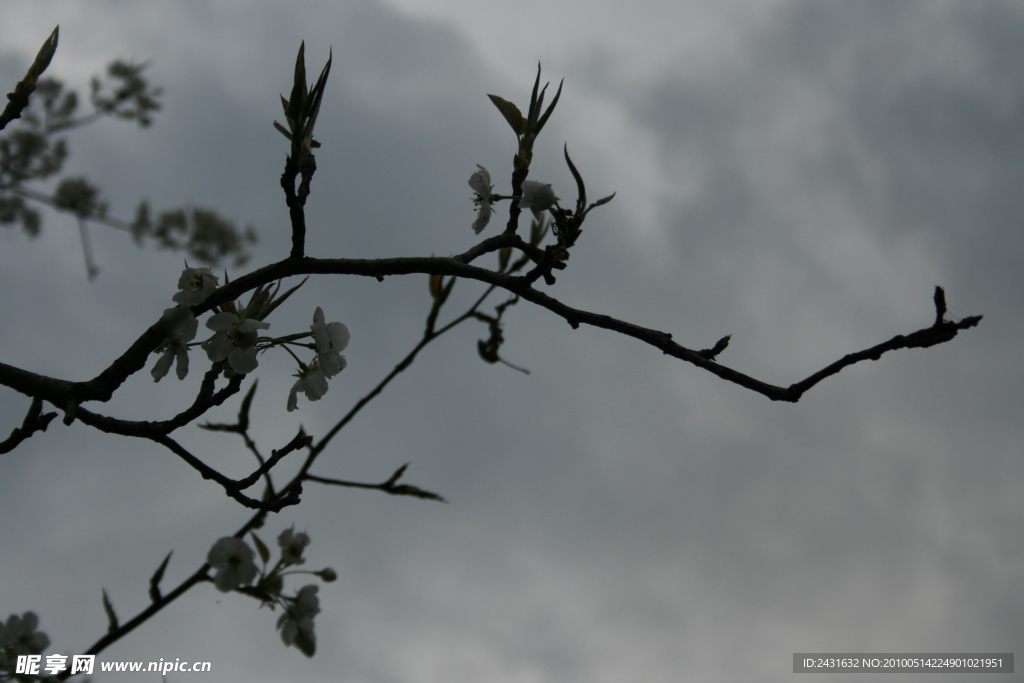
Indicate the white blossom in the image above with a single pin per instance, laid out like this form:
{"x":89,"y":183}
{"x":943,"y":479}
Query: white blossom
{"x":296,"y":623}
{"x":480,"y":181}
{"x":331,"y":339}
{"x":292,"y":545}
{"x":537,"y":197}
{"x":18,"y":636}
{"x":307,"y":604}
{"x":311,"y":382}
{"x":195,"y":284}
{"x":234,"y":341}
{"x":233,"y":560}
{"x":182,"y":327}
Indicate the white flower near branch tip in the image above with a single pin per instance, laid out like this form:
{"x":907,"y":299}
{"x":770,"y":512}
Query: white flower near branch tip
{"x":234,"y":340}
{"x":480,"y":182}
{"x":331,"y":339}
{"x":292,"y":545}
{"x":537,"y":197}
{"x":182,"y":327}
{"x":233,"y":560}
{"x":195,"y":284}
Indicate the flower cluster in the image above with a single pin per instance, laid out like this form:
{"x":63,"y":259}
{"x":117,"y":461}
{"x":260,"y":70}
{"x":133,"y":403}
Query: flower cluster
{"x":18,"y":636}
{"x":296,"y":623}
{"x":537,"y":197}
{"x":330,"y":339}
{"x":194,"y":286}
{"x":234,"y":561}
{"x":236,"y":339}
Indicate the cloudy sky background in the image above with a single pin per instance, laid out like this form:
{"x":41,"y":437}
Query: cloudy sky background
{"x":799,"y":175}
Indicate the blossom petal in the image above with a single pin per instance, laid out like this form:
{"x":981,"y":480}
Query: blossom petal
{"x":249,"y":325}
{"x":339,"y":336}
{"x":182,"y":368}
{"x":480,"y":181}
{"x":537,"y":196}
{"x":315,"y":386}
{"x":223,"y":321}
{"x":243,"y":361}
{"x":218,"y":346}
{"x":331,"y":363}
{"x":195,"y":285}
{"x":483,"y":217}
{"x":163,"y":364}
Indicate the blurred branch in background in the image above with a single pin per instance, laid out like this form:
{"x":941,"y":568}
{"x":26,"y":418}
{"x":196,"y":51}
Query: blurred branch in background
{"x":32,"y":153}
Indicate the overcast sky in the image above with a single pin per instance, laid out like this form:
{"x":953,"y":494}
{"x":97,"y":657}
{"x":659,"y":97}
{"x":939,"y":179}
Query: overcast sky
{"x":797,"y":174}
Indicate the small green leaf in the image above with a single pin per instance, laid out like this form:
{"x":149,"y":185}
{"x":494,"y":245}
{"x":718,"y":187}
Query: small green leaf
{"x":551,"y":108}
{"x":510,"y":112}
{"x":260,"y":547}
{"x":535,"y":108}
{"x":298,"y":97}
{"x":243,"y":410}
{"x":534,"y":233}
{"x":581,"y":201}
{"x":533,"y":96}
{"x":249,"y":308}
{"x":44,"y":56}
{"x":447,"y":290}
{"x":317,"y":93}
{"x":271,"y":305}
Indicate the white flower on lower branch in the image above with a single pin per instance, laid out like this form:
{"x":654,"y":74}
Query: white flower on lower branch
{"x":296,"y":623}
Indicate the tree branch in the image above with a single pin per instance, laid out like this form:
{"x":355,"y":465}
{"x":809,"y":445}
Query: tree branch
{"x":34,"y":422}
{"x":68,"y":395}
{"x":390,"y":486}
